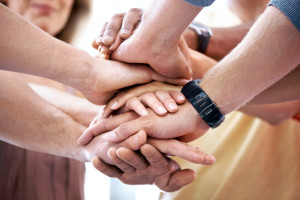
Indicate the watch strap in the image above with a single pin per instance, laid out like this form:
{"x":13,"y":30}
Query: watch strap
{"x":206,"y":109}
{"x":204,"y":33}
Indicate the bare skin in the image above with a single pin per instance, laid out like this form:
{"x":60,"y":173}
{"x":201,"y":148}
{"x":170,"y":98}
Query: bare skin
{"x":68,"y":65}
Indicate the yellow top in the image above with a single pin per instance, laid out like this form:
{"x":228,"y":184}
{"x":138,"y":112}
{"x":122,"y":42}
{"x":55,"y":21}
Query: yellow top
{"x":254,"y":161}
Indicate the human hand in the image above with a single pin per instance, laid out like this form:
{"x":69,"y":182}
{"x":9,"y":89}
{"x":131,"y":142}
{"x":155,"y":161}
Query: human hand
{"x":119,"y":28}
{"x":161,"y":102}
{"x":107,"y":77}
{"x":149,"y":167}
{"x":99,"y":146}
{"x":188,"y":126}
{"x":172,"y":62}
{"x":138,"y":92}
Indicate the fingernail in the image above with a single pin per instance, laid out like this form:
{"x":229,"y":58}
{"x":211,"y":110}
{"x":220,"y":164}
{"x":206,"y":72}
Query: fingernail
{"x":107,"y":39}
{"x":108,"y":154}
{"x":136,"y":138}
{"x":125,"y":31}
{"x":98,"y":40}
{"x":162,"y":110}
{"x":99,"y":48}
{"x":172,"y":106}
{"x":114,"y":105}
{"x":102,"y":56}
{"x":144,"y":112}
{"x":180,"y":97}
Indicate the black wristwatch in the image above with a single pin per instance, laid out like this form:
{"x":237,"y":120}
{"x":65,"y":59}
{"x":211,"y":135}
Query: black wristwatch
{"x":207,"y":110}
{"x":204,"y":33}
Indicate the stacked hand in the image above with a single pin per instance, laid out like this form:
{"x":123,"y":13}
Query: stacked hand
{"x":107,"y":77}
{"x":122,"y":37}
{"x":132,"y":144}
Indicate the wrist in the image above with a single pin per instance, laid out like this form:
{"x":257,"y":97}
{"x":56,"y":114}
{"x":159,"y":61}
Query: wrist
{"x":205,"y":107}
{"x":78,"y":72}
{"x":197,"y":121}
{"x":217,"y":96}
{"x":164,"y":14}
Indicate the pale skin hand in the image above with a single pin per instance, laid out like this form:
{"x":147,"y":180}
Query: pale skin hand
{"x":119,"y":28}
{"x":280,"y":91}
{"x":154,"y":168}
{"x":174,"y":63}
{"x":95,"y":78}
{"x":188,"y":123}
{"x":42,"y":127}
{"x":170,"y":62}
{"x":172,"y":148}
{"x":131,"y":168}
{"x":123,"y":97}
{"x":161,"y":102}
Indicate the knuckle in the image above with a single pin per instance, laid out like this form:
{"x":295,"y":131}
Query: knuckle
{"x":104,"y":124}
{"x":109,"y":28}
{"x":135,"y":10}
{"x":123,"y":128}
{"x":148,"y":123}
{"x":118,"y":16}
{"x":129,"y":143}
{"x":131,"y":103}
{"x":148,"y":95}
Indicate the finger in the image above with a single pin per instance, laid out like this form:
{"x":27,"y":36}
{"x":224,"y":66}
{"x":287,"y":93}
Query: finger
{"x":162,"y":180}
{"x":104,"y":49}
{"x":161,"y":78}
{"x":98,"y":40}
{"x":116,"y":43}
{"x":129,"y":128}
{"x":180,"y":179}
{"x":106,"y":169}
{"x":123,"y":166}
{"x":122,"y":97}
{"x":177,"y":96}
{"x":176,"y":148}
{"x":130,"y":21}
{"x":94,"y":44}
{"x":104,"y":56}
{"x":135,"y":105}
{"x":152,"y":101}
{"x":132,"y":158}
{"x":112,"y":105}
{"x":105,"y":125}
{"x":166,"y":99}
{"x":134,"y":142}
{"x":154,"y":157}
{"x":112,"y":29}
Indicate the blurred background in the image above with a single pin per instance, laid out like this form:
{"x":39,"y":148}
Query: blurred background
{"x":97,"y":185}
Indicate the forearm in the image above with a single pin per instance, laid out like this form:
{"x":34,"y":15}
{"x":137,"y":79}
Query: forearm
{"x":200,"y":64}
{"x":221,"y":42}
{"x":273,"y":113}
{"x":30,"y":122}
{"x":80,"y":109}
{"x":173,"y":14}
{"x":28,"y":49}
{"x":286,"y":89}
{"x":224,"y":40}
{"x":269,"y":52}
